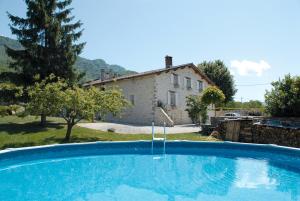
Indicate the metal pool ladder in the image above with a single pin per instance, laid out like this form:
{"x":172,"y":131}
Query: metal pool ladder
{"x":159,"y":138}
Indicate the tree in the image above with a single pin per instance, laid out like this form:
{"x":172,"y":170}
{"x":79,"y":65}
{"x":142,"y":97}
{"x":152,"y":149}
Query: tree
{"x":48,"y":40}
{"x":283,"y":100}
{"x":196,"y":109}
{"x":47,"y":37}
{"x":45,"y":98}
{"x":81,"y":104}
{"x":72,"y":102}
{"x":212,"y":95}
{"x":220,"y":75}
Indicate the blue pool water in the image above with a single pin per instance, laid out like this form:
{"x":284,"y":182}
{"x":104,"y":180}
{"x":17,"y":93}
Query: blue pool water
{"x":128,"y":171}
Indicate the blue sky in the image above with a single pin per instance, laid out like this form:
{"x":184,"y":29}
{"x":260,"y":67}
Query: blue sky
{"x":258,"y":40}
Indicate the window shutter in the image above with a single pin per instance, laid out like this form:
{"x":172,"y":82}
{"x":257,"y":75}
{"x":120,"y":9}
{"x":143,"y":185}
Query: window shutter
{"x":176,"y":99}
{"x":184,"y":82}
{"x":191,"y":83}
{"x":196,"y":84}
{"x":168,"y":98}
{"x":179,"y":81}
{"x":172,"y":78}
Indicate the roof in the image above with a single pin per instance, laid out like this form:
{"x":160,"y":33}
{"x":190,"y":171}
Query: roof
{"x":152,"y":72}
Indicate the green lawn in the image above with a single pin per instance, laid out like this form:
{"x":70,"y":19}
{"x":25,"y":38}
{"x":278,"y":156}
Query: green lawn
{"x":20,"y":132}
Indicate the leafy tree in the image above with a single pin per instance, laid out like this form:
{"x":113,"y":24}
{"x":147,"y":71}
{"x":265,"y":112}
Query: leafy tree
{"x":212,"y":95}
{"x":81,"y":104}
{"x":196,"y":109}
{"x":283,"y":100}
{"x":48,"y":40}
{"x":45,"y":98}
{"x":72,"y":102}
{"x":220,"y":75}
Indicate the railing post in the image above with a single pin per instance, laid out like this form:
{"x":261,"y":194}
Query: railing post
{"x":152,"y":137}
{"x":165,"y":137}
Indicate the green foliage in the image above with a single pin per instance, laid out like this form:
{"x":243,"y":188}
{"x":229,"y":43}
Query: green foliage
{"x":220,"y":75}
{"x":72,"y":103}
{"x":196,"y":109}
{"x":10,"y":109}
{"x":10,"y":93}
{"x":283,"y":100}
{"x":48,"y":37}
{"x":45,"y":97}
{"x":4,"y":110}
{"x":81,"y":104}
{"x":212,"y":95}
{"x":245,"y":105}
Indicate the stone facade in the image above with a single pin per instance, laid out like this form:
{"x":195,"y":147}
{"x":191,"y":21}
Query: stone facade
{"x":164,"y":85}
{"x":151,"y":89}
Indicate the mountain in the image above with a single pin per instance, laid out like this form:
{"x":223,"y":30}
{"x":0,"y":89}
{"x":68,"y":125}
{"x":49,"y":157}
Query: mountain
{"x":91,"y":68}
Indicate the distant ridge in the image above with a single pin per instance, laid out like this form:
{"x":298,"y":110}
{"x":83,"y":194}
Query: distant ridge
{"x":91,"y":68}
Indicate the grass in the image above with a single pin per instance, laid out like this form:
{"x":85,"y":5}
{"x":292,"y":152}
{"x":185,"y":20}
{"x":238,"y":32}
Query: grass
{"x":21,"y":132}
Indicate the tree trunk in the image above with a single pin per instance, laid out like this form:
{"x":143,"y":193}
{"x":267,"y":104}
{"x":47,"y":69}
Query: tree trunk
{"x":43,"y":120}
{"x":69,"y":130}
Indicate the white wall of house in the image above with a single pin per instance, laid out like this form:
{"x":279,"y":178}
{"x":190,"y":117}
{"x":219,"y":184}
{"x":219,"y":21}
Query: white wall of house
{"x":165,"y":84}
{"x":141,"y":89}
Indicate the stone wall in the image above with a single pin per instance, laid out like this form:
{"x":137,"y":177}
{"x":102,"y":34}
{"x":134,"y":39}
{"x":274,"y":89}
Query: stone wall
{"x":264,"y":134}
{"x":249,"y":131}
{"x":162,"y":117}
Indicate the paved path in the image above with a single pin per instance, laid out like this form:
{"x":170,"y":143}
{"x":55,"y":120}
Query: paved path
{"x":136,"y":129}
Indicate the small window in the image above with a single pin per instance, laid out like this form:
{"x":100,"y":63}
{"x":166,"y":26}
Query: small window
{"x":132,"y":99}
{"x":175,"y":80}
{"x":200,"y":86}
{"x":172,"y":98}
{"x":188,"y":83}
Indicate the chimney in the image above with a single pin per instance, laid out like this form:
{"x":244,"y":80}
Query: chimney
{"x":168,"y":61}
{"x":102,"y":74}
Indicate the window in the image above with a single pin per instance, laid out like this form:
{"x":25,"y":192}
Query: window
{"x":200,"y":86}
{"x":131,"y":97}
{"x":172,"y":98}
{"x":188,"y":83}
{"x":175,"y":80}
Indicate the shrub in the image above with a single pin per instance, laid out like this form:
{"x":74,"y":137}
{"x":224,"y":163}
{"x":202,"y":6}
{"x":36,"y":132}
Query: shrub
{"x":4,"y":111}
{"x":283,"y":100}
{"x":196,"y":109}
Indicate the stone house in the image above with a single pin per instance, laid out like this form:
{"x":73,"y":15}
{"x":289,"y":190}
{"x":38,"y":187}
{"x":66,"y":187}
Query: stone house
{"x":158,"y":95}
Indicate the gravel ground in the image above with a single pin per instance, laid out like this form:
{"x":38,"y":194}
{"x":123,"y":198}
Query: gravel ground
{"x":136,"y":129}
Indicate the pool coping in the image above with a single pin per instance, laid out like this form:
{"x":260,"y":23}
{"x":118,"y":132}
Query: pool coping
{"x":238,"y":144}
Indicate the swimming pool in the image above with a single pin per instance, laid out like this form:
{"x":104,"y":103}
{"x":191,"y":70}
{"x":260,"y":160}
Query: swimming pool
{"x":128,"y":171}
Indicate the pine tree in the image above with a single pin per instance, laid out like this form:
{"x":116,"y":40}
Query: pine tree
{"x":48,"y":37}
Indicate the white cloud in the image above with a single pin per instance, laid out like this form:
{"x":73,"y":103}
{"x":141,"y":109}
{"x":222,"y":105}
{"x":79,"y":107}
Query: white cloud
{"x":246,"y":67}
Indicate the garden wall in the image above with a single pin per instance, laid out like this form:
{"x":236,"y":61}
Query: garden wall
{"x":246,"y":130}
